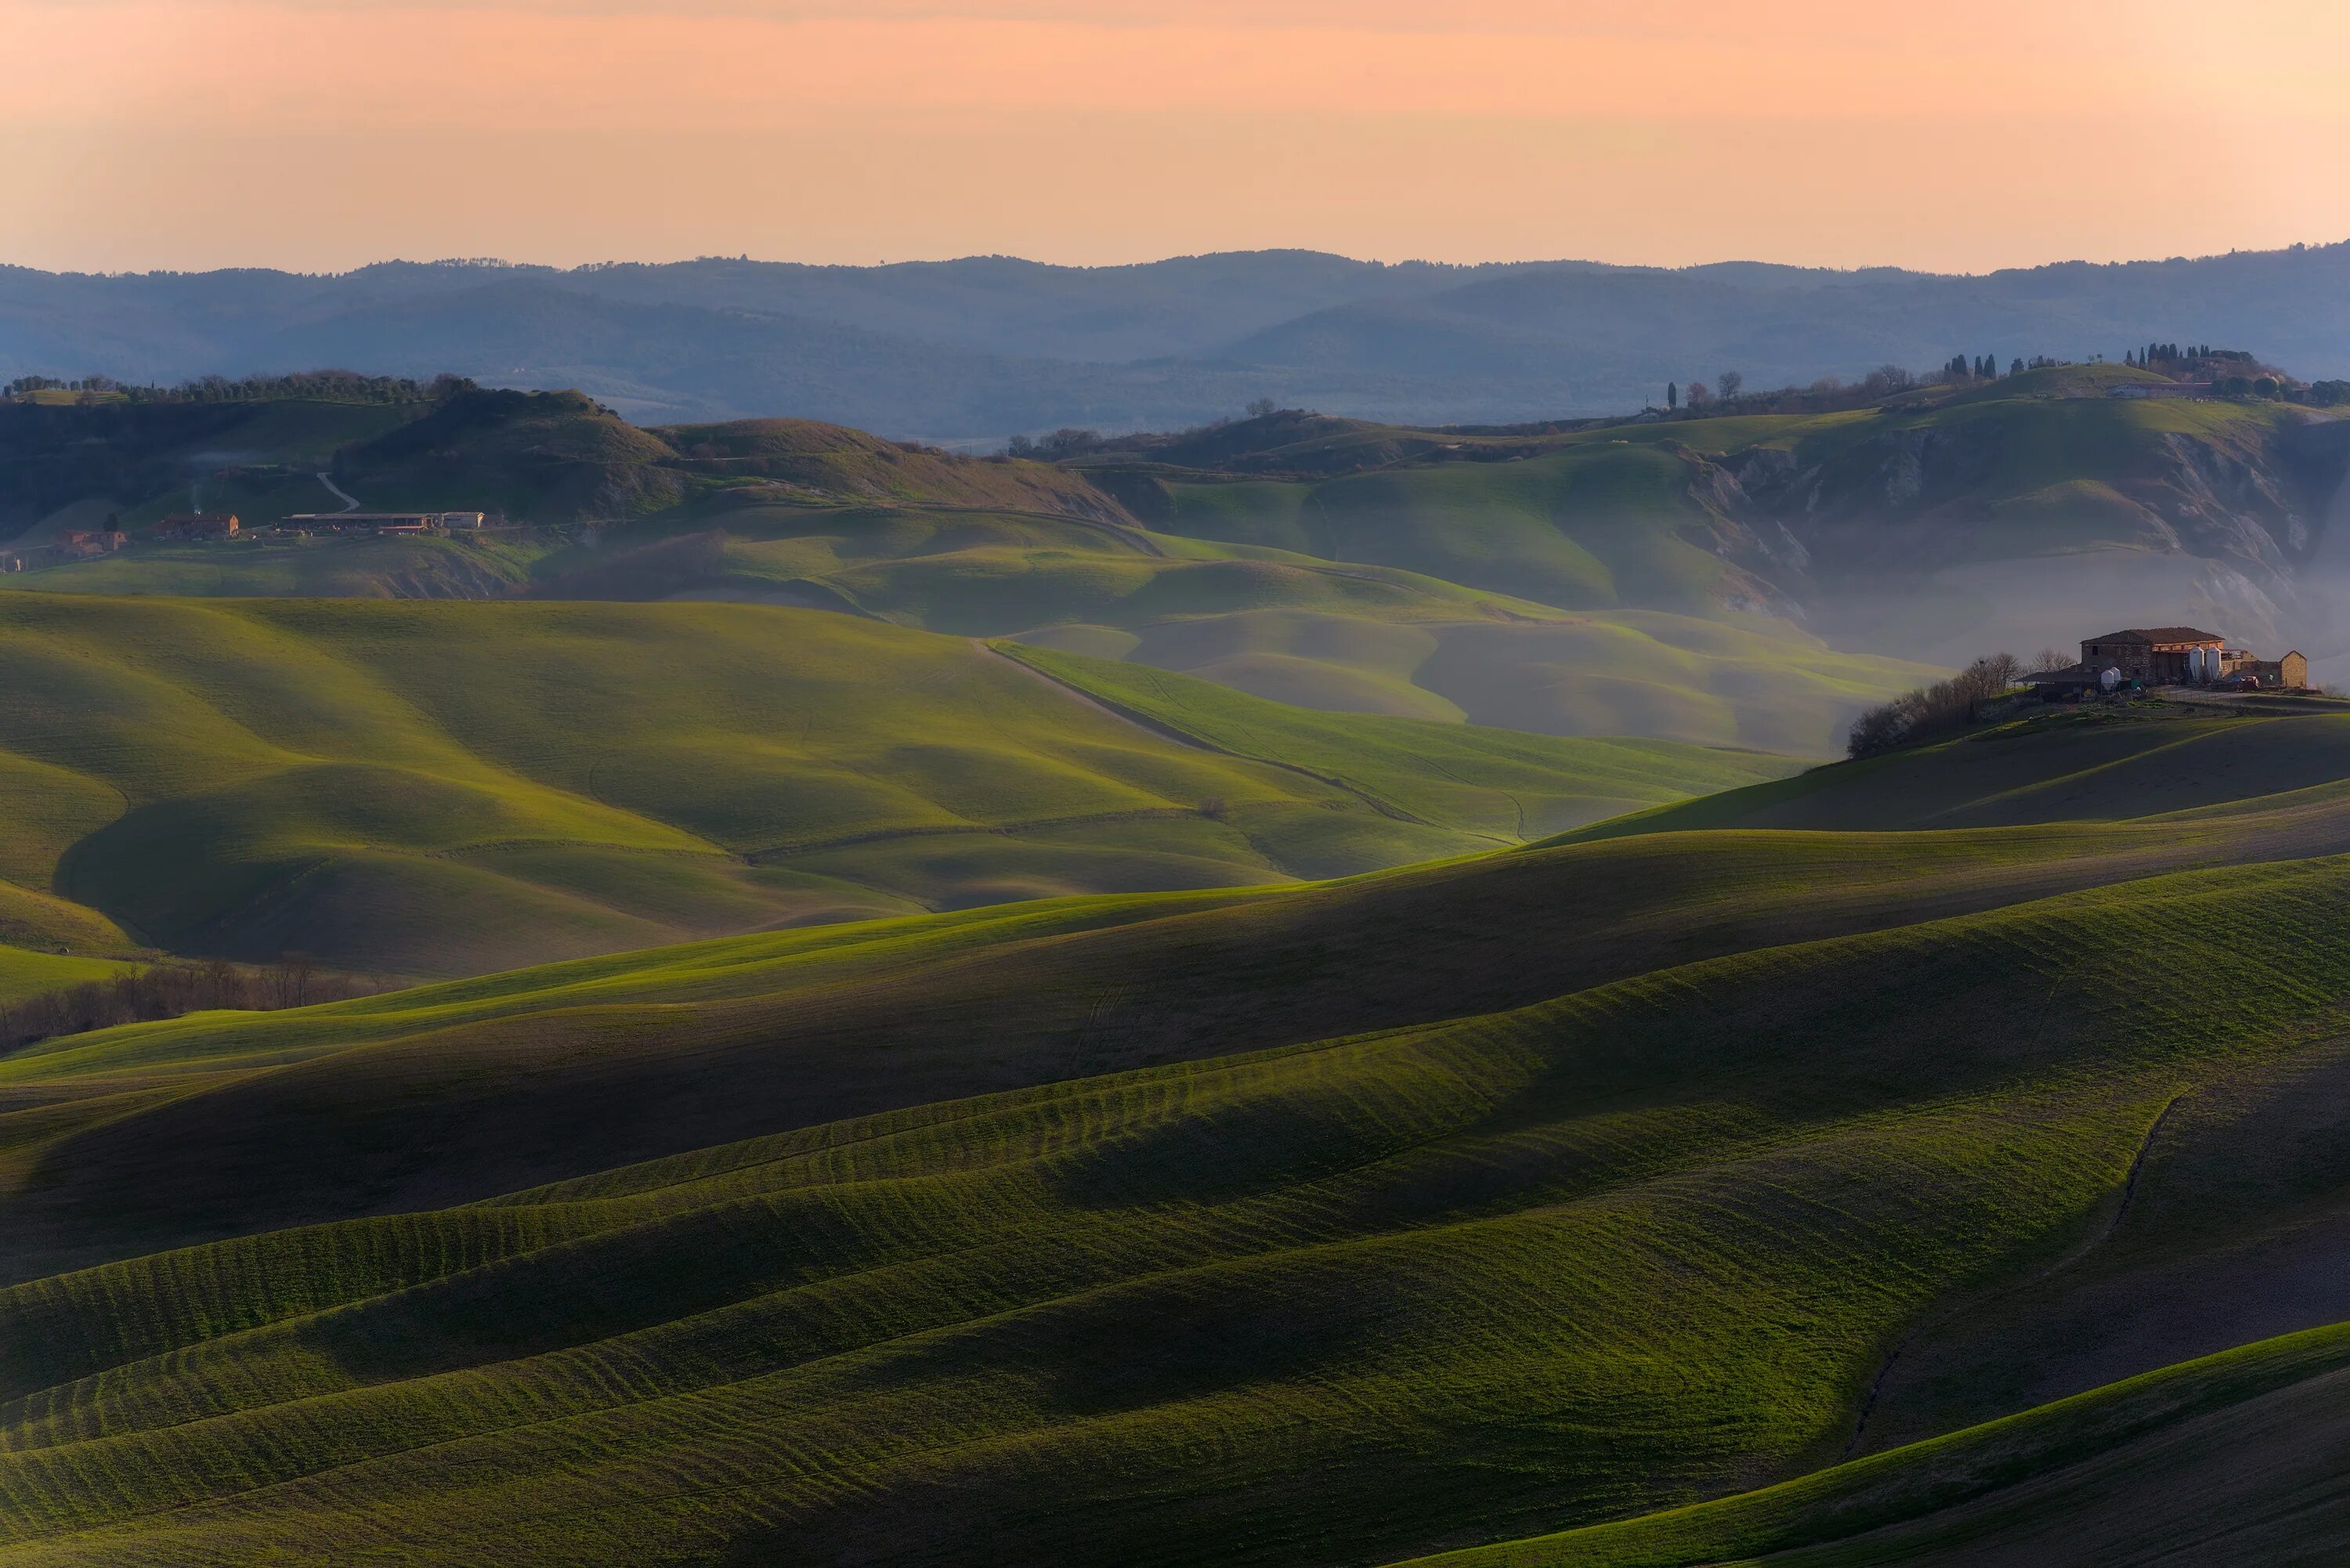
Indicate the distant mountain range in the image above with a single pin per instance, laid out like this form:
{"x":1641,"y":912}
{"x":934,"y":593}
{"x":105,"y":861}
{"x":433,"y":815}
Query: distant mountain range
{"x":976,"y":349}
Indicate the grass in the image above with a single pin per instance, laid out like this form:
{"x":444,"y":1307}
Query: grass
{"x":1502,"y":782}
{"x":1593,"y":1200}
{"x":1330,"y":1223}
{"x":448,"y":787}
{"x":1476,"y":1201}
{"x":1340,"y":637}
{"x":1590,"y":527}
{"x":26,"y":973}
{"x":1312,"y":633}
{"x":2158,"y":760}
{"x":1434,"y":589}
{"x":2132,"y":1472}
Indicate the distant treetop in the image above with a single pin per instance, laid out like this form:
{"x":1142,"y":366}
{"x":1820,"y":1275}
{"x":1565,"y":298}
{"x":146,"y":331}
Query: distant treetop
{"x":327,"y":386}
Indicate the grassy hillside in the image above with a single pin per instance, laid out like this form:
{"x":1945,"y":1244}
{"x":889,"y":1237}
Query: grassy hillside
{"x":1594,"y":525}
{"x":1326,"y":1224}
{"x":142,"y":460}
{"x":1498,"y":780}
{"x":1667,"y":516}
{"x":547,"y":458}
{"x":2168,"y":760}
{"x":1931,"y":524}
{"x":454,"y":787}
{"x":1291,"y":627}
{"x":1681,"y":579}
{"x":2228,"y":1459}
{"x":24,"y":972}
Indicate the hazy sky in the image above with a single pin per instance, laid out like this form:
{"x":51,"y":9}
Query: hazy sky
{"x":324,"y":133}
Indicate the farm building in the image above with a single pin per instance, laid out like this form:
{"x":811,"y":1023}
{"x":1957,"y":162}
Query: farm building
{"x":82,"y":544}
{"x":2289,"y":672}
{"x":383,"y":522}
{"x":2169,"y":656}
{"x":2161,"y":655}
{"x":197,"y":526}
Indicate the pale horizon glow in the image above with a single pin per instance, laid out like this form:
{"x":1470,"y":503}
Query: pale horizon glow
{"x":322,"y":135}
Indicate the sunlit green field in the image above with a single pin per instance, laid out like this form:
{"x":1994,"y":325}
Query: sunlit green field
{"x":449,"y":787}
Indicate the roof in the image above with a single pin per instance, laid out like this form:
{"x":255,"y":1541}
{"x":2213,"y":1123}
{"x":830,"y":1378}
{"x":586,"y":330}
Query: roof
{"x":2159,"y":634}
{"x":2071,"y":675}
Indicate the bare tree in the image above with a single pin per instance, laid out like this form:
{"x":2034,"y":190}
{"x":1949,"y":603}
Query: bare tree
{"x":218,"y":974}
{"x":1729,"y":384}
{"x":1930,"y":711}
{"x":2049,"y":658}
{"x":298,"y":971}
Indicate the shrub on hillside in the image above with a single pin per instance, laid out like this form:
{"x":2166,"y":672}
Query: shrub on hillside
{"x":1931,"y":712}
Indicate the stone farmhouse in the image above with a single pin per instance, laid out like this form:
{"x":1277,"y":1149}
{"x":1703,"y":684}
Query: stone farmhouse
{"x":2172,"y":655}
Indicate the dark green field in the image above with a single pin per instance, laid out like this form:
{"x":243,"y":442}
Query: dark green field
{"x":1561,"y":1189}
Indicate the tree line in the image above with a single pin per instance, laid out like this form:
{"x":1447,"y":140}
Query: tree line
{"x":1831,"y":394}
{"x":171,"y":989}
{"x":1944,"y":708}
{"x":326,"y":386}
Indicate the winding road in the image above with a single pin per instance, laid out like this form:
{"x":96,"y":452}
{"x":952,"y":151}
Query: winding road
{"x":351,"y":502}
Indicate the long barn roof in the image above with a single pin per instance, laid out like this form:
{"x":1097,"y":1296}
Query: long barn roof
{"x":2160,"y":634}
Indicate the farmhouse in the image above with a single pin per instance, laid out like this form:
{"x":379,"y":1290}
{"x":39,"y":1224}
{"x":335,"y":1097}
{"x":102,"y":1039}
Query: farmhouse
{"x":197,"y":526}
{"x":2169,"y":656}
{"x":81,"y":544}
{"x":2155,"y":656}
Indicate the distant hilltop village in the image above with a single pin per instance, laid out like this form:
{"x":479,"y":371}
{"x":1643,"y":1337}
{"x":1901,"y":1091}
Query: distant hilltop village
{"x":2144,"y":656}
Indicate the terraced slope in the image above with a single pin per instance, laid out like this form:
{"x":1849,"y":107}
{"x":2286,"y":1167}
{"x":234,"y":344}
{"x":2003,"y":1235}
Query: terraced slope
{"x":1330,"y":1224}
{"x":456,"y":788}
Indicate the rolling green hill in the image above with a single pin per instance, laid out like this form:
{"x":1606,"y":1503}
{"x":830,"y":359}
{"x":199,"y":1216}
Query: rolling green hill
{"x":1932,"y":524}
{"x":1701,"y":579}
{"x":453,"y":787}
{"x":1280,"y":625}
{"x":1291,"y":627}
{"x":2228,"y":1459}
{"x":25,"y":972}
{"x":2172,"y":761}
{"x":1559,"y":1189}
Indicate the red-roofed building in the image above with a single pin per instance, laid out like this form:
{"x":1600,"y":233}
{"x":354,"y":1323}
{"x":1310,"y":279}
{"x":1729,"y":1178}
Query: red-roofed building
{"x":2155,"y":655}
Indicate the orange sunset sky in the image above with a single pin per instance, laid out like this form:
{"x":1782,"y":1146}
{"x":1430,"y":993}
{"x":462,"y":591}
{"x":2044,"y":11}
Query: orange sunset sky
{"x":320,"y":134}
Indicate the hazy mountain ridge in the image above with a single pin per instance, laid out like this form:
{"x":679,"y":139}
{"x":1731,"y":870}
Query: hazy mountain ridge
{"x":978,"y":348}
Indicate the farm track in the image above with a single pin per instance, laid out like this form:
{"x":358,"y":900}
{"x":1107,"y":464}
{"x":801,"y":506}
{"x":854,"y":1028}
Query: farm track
{"x":1385,"y":808}
{"x":351,"y":502}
